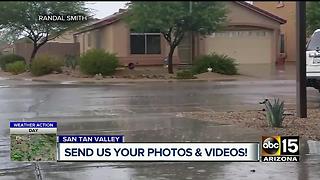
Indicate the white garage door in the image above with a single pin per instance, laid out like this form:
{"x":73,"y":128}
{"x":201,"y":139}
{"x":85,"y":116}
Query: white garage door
{"x":250,"y":46}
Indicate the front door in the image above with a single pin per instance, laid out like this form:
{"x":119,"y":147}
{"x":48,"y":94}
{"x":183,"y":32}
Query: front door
{"x":185,"y":49}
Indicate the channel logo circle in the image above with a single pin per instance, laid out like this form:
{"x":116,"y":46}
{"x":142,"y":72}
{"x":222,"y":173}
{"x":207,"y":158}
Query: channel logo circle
{"x":271,"y":145}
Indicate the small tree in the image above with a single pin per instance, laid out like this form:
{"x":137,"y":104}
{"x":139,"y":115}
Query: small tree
{"x":21,"y":18}
{"x":313,"y":16}
{"x":174,"y":19}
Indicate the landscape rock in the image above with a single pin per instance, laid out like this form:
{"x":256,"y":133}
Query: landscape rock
{"x":307,"y":128}
{"x":98,"y":77}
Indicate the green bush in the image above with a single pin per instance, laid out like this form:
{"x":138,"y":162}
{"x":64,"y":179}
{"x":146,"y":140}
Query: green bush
{"x":185,"y":74}
{"x":17,"y":67}
{"x":275,"y":112}
{"x":71,"y":61}
{"x":9,"y":58}
{"x":45,"y":64}
{"x":222,"y":64}
{"x":97,"y":61}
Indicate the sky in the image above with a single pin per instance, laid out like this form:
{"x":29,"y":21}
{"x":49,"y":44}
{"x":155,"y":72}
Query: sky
{"x":102,"y":9}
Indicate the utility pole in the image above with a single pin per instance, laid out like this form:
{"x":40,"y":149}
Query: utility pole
{"x":301,"y":95}
{"x":192,"y":39}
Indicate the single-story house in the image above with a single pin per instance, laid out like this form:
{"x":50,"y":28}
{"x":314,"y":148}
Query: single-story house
{"x":67,"y":36}
{"x":252,"y":36}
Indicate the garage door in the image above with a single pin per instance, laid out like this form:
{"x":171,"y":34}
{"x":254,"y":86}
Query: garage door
{"x":250,"y":46}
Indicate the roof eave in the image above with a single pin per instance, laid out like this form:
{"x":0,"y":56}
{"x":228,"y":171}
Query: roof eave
{"x":242,"y":3}
{"x":96,"y":26}
{"x":262,"y":12}
{"x":101,"y":23}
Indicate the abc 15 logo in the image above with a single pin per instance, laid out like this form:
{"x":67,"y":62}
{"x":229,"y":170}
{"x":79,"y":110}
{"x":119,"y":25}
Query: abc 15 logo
{"x":280,"y":145}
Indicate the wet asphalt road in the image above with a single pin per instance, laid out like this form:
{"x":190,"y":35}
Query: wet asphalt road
{"x":147,"y":112}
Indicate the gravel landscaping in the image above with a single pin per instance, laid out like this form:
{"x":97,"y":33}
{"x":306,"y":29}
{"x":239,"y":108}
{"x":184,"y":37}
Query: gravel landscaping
{"x":307,"y":128}
{"x":147,"y":73}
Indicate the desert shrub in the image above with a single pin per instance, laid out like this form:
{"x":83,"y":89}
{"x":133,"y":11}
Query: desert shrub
{"x":71,"y":61}
{"x":45,"y":64}
{"x":9,"y":58}
{"x":275,"y":112}
{"x":17,"y":67}
{"x":96,"y":61}
{"x":222,"y":64}
{"x":185,"y":74}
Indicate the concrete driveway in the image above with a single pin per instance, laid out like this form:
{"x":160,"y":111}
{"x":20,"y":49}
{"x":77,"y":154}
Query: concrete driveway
{"x":146,"y":112}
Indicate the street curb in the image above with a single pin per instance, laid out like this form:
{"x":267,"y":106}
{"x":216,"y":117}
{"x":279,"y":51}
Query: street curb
{"x":231,"y":80}
{"x":117,"y":81}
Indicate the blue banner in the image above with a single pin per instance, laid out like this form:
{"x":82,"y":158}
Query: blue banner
{"x":33,"y":124}
{"x":90,"y":139}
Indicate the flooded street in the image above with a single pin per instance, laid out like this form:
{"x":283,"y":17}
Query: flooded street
{"x":148,"y":112}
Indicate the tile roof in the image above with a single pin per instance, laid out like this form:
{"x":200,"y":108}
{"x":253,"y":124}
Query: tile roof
{"x":118,"y":15}
{"x":103,"y":22}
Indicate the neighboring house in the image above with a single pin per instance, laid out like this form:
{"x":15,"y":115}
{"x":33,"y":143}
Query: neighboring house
{"x":286,"y":10}
{"x":252,"y":36}
{"x":67,"y":37}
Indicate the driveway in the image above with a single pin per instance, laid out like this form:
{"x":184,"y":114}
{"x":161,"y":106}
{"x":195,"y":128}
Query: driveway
{"x":147,"y":112}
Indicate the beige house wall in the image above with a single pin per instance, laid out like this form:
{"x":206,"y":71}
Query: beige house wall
{"x":241,"y":15}
{"x":66,"y":37}
{"x":242,"y":19}
{"x":56,"y":49}
{"x":116,"y":38}
{"x":107,"y":39}
{"x":286,"y":11}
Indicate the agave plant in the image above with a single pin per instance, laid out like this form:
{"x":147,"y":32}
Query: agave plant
{"x":275,"y":112}
{"x":71,"y":61}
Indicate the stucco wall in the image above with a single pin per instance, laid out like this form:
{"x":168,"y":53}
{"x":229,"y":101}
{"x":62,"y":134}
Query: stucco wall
{"x":51,"y":48}
{"x":288,"y":12}
{"x":116,"y":37}
{"x":241,"y":19}
{"x":66,"y":37}
{"x":241,"y":15}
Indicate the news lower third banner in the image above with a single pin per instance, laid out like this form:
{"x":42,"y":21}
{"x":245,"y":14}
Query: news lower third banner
{"x":38,"y":141}
{"x":112,"y":148}
{"x":33,"y":127}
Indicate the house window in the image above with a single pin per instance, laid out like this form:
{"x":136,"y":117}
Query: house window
{"x":153,"y":44}
{"x":282,"y":43}
{"x":145,"y":43}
